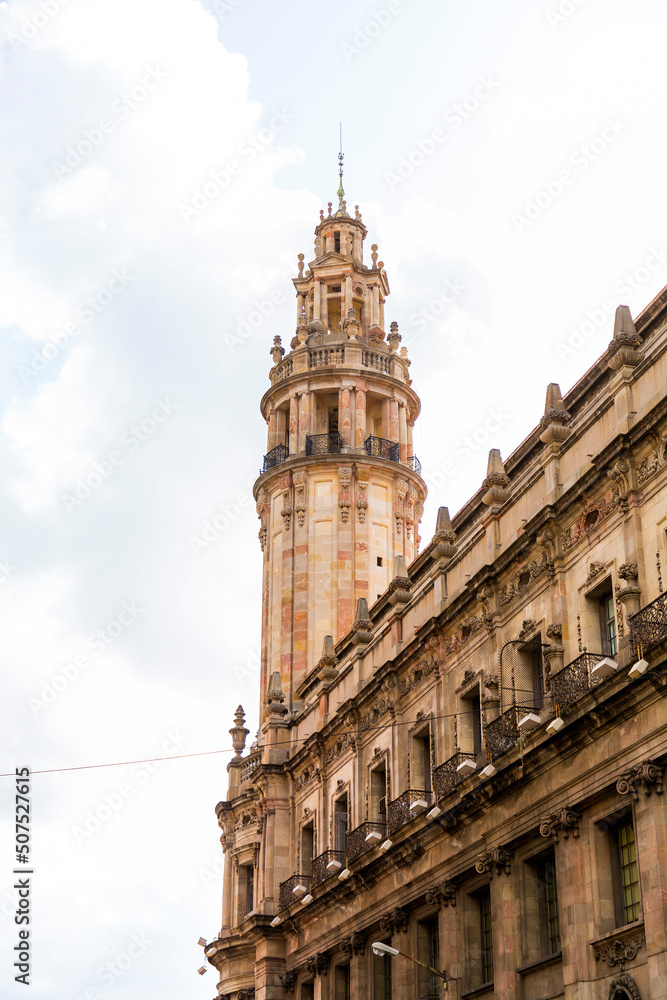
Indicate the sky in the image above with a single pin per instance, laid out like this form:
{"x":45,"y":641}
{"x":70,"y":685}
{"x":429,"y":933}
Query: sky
{"x":162,"y":164}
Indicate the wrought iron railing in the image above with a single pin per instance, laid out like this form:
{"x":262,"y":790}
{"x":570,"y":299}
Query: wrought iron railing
{"x":326,"y":356}
{"x":415,"y":464}
{"x":323,"y":444}
{"x":574,"y":680}
{"x":649,"y":626}
{"x":250,"y":765}
{"x":356,"y":840}
{"x":381,"y":448}
{"x":275,"y":457}
{"x":399,"y":812}
{"x":445,"y":777}
{"x":286,"y":894}
{"x":320,"y":870}
{"x":380,"y":362}
{"x":501,"y":734}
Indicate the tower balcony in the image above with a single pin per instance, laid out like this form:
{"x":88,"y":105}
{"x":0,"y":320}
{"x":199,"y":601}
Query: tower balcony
{"x":275,"y":457}
{"x":348,"y":354}
{"x":378,"y":447}
{"x":323,"y":444}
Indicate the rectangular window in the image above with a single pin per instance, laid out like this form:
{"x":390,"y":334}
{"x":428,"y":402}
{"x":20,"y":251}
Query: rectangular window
{"x":382,"y":976}
{"x":627,"y":858}
{"x":486,"y":936}
{"x":307,"y":991}
{"x":608,"y":635}
{"x":340,"y":824}
{"x":428,"y":946}
{"x":307,"y":849}
{"x":337,"y":242}
{"x":529,"y":675}
{"x":378,"y":794}
{"x":420,"y":766}
{"x":471,"y":724}
{"x":246,"y":890}
{"x":342,"y":982}
{"x":546,"y":873}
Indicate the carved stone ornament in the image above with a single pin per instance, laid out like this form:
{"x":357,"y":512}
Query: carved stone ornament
{"x":344,"y":492}
{"x":555,"y":631}
{"x":247,"y":994}
{"x":628,"y":571}
{"x":288,"y":979}
{"x":361,"y":503}
{"x":317,"y":965}
{"x":354,"y":944}
{"x":647,"y":775}
{"x":527,"y":626}
{"x":620,"y":949}
{"x":494,"y":861}
{"x":594,"y":570}
{"x":395,"y":920}
{"x":565,"y":821}
{"x":300,"y":497}
{"x":285,"y":484}
{"x":444,"y":893}
{"x":624,"y":988}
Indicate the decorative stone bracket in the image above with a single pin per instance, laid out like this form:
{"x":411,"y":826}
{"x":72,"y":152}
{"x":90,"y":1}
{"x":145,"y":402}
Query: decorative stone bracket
{"x":354,"y":944}
{"x":444,"y":893}
{"x":288,"y":979}
{"x":565,"y":821}
{"x":647,"y":775}
{"x":494,"y":861}
{"x":317,"y":965}
{"x":395,"y":920}
{"x":619,"y":948}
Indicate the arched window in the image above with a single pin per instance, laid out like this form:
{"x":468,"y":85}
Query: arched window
{"x":624,"y":987}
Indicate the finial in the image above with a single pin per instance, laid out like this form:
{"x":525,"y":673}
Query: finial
{"x":496,"y":481}
{"x":321,"y":215}
{"x":277,"y":351}
{"x":394,"y":336}
{"x":623,"y":349}
{"x":357,"y":213}
{"x":444,"y":539}
{"x":239,"y":732}
{"x":340,"y":192}
{"x":374,"y":254}
{"x":329,"y":206}
{"x":300,"y":259}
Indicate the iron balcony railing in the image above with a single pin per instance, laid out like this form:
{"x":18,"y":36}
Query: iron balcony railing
{"x":286,"y":894}
{"x":649,"y":626}
{"x":323,"y":444}
{"x":320,"y":869}
{"x":401,"y":810}
{"x":501,"y":734}
{"x":445,"y":777}
{"x":414,"y":463}
{"x":574,"y":680}
{"x":275,"y":457}
{"x":357,"y":842}
{"x":381,"y":448}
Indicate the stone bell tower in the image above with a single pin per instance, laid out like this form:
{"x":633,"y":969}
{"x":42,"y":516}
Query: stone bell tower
{"x":340,"y":494}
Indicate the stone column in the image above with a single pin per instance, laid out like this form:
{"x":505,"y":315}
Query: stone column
{"x":324,"y":304}
{"x":381,"y":314}
{"x":651,"y":827}
{"x":506,"y":935}
{"x":347,"y":303}
{"x":317,"y":299}
{"x":281,"y":426}
{"x":411,"y":449}
{"x":360,"y":418}
{"x":402,"y":433}
{"x":375,"y":313}
{"x":227,"y":893}
{"x":304,"y":420}
{"x":294,"y":425}
{"x":345,"y":416}
{"x":273,"y":425}
{"x":386,"y":419}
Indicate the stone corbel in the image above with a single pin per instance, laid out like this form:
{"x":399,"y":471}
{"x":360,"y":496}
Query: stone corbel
{"x":362,"y":477}
{"x":620,"y":948}
{"x":400,"y":493}
{"x":317,"y":965}
{"x":344,"y":492}
{"x":285,"y":484}
{"x":395,"y":920}
{"x":354,"y":944}
{"x":442,"y":894}
{"x":300,"y":496}
{"x":647,"y":775}
{"x":288,"y":979}
{"x":495,"y":861}
{"x":565,"y":821}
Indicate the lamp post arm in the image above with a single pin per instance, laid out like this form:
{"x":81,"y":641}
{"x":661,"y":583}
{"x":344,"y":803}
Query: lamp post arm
{"x":442,"y":975}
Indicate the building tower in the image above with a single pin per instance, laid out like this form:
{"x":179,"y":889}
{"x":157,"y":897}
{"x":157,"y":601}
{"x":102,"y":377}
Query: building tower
{"x":340,"y":495}
{"x":340,"y":498}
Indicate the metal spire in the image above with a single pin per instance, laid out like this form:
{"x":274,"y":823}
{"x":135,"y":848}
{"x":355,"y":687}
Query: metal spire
{"x":340,"y":192}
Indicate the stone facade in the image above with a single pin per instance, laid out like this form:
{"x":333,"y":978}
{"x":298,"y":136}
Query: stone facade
{"x":461,"y":751}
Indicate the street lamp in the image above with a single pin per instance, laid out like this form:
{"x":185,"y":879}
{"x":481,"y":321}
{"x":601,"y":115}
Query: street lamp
{"x":380,"y":949}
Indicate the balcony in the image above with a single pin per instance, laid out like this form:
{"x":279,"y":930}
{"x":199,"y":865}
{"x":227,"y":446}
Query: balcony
{"x":357,"y":842}
{"x":286,"y":894}
{"x":574,"y":680}
{"x":275,"y":457}
{"x":381,"y":448}
{"x":503,"y":733}
{"x":323,"y":444}
{"x":649,"y":626}
{"x":324,"y":356}
{"x":407,"y":806}
{"x":380,"y":362}
{"x":445,"y":777}
{"x":249,"y":766}
{"x":414,"y":464}
{"x":326,"y":865}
